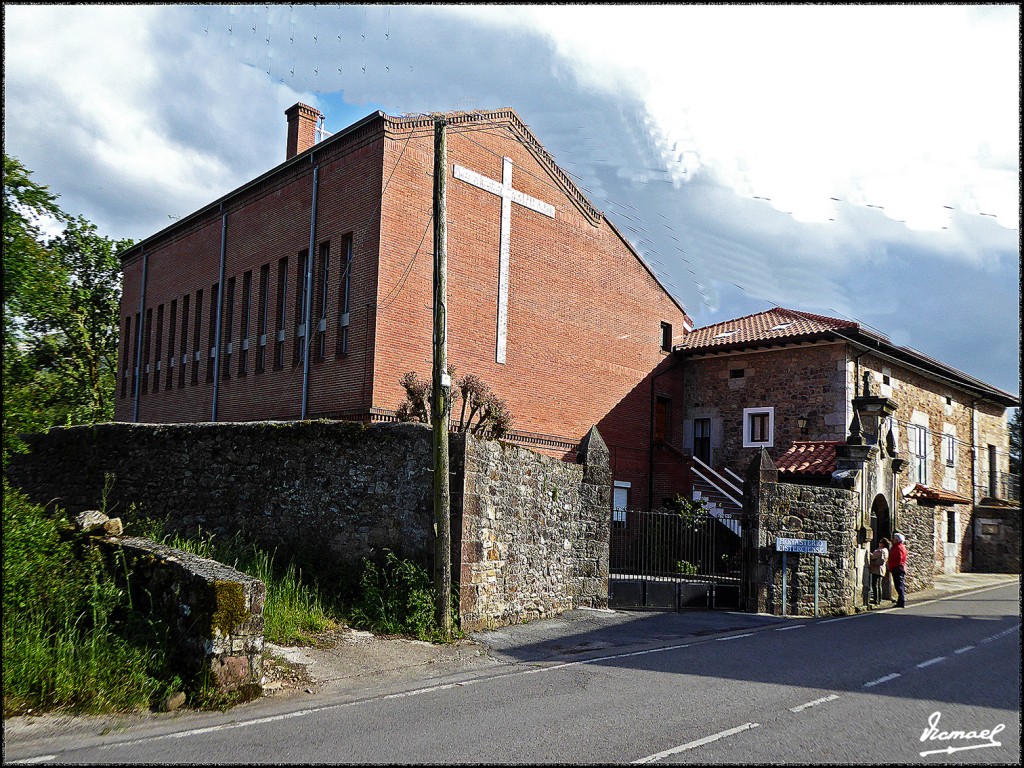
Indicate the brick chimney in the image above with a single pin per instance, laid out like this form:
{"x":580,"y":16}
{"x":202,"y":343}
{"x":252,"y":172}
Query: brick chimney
{"x":302,"y":120}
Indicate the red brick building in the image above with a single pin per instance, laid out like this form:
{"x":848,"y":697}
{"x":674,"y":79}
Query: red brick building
{"x":547,"y":302}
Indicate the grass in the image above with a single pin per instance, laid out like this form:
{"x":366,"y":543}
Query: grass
{"x":70,"y":639}
{"x":73,"y":643}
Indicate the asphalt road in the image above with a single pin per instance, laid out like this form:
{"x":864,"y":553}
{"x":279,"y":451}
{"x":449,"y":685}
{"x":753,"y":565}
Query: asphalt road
{"x":607,"y":689}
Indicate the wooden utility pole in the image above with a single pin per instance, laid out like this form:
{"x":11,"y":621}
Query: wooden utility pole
{"x":440,"y":402}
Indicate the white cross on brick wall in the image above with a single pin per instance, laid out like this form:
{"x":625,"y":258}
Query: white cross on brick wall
{"x":508,"y":196}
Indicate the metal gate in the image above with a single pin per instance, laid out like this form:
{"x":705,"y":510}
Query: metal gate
{"x":666,"y":559}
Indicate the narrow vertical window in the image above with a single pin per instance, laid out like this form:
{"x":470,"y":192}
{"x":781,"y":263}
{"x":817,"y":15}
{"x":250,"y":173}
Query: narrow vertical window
{"x":159,"y":354}
{"x":228,"y":328}
{"x":917,"y":439}
{"x":702,"y":440}
{"x":345,"y":297}
{"x":263,"y":310}
{"x":197,"y":328}
{"x":135,"y":354}
{"x":184,"y":340}
{"x":666,"y":337}
{"x":148,"y":339}
{"x":126,"y":344}
{"x":244,"y":319}
{"x":299,"y":351}
{"x":172,"y":328}
{"x":321,"y":328}
{"x":211,"y":333}
{"x":282,"y":296}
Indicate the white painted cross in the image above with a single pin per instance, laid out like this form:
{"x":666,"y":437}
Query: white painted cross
{"x":508,"y":196}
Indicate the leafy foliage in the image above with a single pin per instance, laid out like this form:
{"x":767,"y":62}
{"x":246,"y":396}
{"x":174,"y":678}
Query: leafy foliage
{"x":483,"y":413}
{"x":70,"y":639}
{"x":61,"y":304}
{"x":398,"y":598}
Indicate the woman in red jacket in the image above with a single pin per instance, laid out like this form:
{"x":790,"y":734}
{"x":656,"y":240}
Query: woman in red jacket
{"x":898,"y":569}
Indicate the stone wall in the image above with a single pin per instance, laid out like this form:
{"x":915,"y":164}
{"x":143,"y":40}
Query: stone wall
{"x":997,"y":539}
{"x":776,"y":510}
{"x":530,"y":533}
{"x":917,"y":524}
{"x":324,"y":492}
{"x":534,"y":533}
{"x":215,"y":613}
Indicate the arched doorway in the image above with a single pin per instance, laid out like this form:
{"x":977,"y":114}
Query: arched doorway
{"x":881,"y":521}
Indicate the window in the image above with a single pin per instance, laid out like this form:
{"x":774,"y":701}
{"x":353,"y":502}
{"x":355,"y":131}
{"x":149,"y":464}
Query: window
{"x":951,"y":526}
{"x":263,"y":309}
{"x":148,"y":331}
{"x":172,"y":330}
{"x":159,"y":346}
{"x":211,"y":333}
{"x":282,"y":296}
{"x":135,"y":355}
{"x":184,"y":340}
{"x":917,"y":440}
{"x":228,"y":329}
{"x":244,"y":319}
{"x":993,"y":472}
{"x":666,"y":337}
{"x":620,"y":503}
{"x":702,"y":440}
{"x":321,"y":328}
{"x":345,"y":297}
{"x":736,"y":373}
{"x":662,"y":420}
{"x":758,"y":427}
{"x":299,"y":352}
{"x":949,"y":450}
{"x":197,"y":328}
{"x":127,"y":355}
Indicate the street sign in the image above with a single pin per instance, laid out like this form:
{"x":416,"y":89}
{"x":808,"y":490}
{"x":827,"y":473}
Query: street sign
{"x":806,"y":546}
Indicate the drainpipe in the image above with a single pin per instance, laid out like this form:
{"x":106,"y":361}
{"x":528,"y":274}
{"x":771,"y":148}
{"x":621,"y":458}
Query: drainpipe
{"x":309,"y":294}
{"x":220,"y":306}
{"x":139,"y":328}
{"x":650,"y":442}
{"x":974,"y":475}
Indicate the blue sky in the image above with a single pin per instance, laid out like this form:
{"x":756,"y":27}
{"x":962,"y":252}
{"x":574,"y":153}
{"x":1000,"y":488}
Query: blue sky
{"x":855,"y":161}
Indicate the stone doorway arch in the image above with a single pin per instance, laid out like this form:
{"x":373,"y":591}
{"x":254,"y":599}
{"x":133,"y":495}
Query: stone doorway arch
{"x":881,"y":520}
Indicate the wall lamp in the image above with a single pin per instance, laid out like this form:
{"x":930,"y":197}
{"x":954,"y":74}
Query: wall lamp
{"x":802,"y":423}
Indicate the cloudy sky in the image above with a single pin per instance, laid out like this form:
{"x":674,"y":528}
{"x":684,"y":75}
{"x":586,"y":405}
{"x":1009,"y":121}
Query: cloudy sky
{"x":860,"y":162}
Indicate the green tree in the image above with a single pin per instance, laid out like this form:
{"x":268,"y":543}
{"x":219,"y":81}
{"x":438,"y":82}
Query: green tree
{"x":61,"y":306}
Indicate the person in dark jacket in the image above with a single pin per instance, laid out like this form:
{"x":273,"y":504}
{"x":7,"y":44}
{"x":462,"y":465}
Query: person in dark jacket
{"x":898,"y":569}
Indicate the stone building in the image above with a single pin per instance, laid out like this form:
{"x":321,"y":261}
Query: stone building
{"x":307,"y":293}
{"x":796,"y":385}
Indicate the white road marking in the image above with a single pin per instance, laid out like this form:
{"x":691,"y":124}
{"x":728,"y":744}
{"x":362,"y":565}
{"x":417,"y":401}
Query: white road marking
{"x":33,"y":760}
{"x":786,"y":629}
{"x":928,"y":663}
{"x":1004,"y":633}
{"x":965,"y":649}
{"x":693,"y":744}
{"x":841,"y":618}
{"x":881,"y":680}
{"x":735,"y":637}
{"x":814,"y":703}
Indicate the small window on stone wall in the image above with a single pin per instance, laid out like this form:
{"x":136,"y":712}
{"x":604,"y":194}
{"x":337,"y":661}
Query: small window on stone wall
{"x":758,"y":427}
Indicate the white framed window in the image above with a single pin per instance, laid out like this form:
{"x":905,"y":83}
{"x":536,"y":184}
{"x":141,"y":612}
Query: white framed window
{"x":949,"y":449}
{"x":758,"y":427}
{"x":917,"y":442}
{"x":620,"y":502}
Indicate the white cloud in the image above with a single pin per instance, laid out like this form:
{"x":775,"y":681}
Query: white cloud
{"x":908,"y":108}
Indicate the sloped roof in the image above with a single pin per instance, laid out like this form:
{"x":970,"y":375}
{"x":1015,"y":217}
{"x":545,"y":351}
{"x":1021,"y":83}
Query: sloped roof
{"x":921,"y":493}
{"x":777,"y":324}
{"x":809,"y":457}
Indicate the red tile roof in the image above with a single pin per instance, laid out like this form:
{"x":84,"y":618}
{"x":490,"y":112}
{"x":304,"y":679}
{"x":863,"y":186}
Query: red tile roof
{"x":921,"y":493}
{"x":775,"y":324}
{"x":809,"y":457}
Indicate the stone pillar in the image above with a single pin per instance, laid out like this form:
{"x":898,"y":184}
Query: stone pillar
{"x":758,"y":495}
{"x":596,"y":498}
